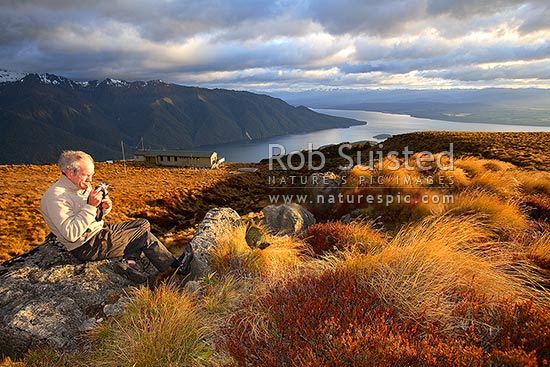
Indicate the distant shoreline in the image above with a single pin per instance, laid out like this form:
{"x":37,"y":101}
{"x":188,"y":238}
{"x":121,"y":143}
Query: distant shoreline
{"x":377,"y":123}
{"x":467,"y":116}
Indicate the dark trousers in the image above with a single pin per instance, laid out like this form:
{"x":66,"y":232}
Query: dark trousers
{"x":129,"y":239}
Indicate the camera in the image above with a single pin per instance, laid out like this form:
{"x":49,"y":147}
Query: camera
{"x":102,"y":187}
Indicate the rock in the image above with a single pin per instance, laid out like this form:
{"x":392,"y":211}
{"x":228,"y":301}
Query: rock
{"x":215,"y":222}
{"x":322,"y":188}
{"x":255,"y":237}
{"x":382,"y":136}
{"x":114,"y":309}
{"x":287,"y":219}
{"x":48,"y":297}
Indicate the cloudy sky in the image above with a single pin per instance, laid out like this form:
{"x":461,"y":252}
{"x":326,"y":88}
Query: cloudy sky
{"x":262,"y":45}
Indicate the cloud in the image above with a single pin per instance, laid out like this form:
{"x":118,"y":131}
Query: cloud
{"x":535,"y":17}
{"x":384,"y":18}
{"x":536,"y":70}
{"x":468,"y":8}
{"x":284,"y":43}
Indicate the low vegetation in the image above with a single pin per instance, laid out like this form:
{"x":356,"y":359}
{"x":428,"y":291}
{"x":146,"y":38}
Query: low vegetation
{"x":464,"y":282}
{"x":174,"y":199}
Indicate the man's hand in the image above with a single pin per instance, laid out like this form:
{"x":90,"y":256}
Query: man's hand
{"x":106,"y":203}
{"x":95,"y":197}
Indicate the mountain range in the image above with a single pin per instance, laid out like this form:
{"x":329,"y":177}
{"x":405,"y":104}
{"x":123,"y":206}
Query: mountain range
{"x":43,"y":114}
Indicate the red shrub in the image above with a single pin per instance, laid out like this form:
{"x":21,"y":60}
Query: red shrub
{"x":333,"y":320}
{"x":511,"y":333}
{"x":325,"y":321}
{"x":323,"y":237}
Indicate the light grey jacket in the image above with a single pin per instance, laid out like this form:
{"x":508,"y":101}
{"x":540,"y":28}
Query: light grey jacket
{"x":68,"y":215}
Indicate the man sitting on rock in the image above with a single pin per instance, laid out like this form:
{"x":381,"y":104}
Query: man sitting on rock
{"x":74,"y":211}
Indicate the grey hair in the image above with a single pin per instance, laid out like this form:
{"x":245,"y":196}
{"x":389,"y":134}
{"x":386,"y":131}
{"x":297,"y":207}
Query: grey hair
{"x":71,"y":159}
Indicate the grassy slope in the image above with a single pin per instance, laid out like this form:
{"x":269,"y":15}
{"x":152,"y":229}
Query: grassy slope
{"x":529,"y":150}
{"x":461,"y":283}
{"x":174,"y":199}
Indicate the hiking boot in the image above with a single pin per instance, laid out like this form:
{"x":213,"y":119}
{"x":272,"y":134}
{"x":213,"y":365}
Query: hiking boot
{"x":185,"y":261}
{"x":129,"y":269}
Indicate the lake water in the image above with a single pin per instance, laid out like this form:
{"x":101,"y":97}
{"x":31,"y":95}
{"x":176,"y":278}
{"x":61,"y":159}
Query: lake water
{"x":377,"y":123}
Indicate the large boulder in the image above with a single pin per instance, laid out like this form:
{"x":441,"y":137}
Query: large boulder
{"x":322,"y":189}
{"x":287,"y":219}
{"x":48,"y":298}
{"x":215,"y":222}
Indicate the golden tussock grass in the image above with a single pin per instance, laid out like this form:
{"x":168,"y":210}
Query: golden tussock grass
{"x":22,"y":226}
{"x":223,"y":294}
{"x":500,"y":177}
{"x":427,"y":266}
{"x":357,"y":175}
{"x":522,"y":149}
{"x":502,"y":184}
{"x":476,"y":166}
{"x":429,"y":162}
{"x":8,"y":362}
{"x":490,"y":175}
{"x":158,"y":328}
{"x":365,"y":237}
{"x":539,"y":251}
{"x":232,"y":255}
{"x":44,"y":357}
{"x":456,"y":179}
{"x":504,"y":216}
{"x":533,"y":182}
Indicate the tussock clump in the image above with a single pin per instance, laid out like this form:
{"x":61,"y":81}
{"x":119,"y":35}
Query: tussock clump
{"x":396,"y":207}
{"x":158,"y":328}
{"x":360,"y":176}
{"x":502,"y":184}
{"x":533,"y":182}
{"x":231,"y":252}
{"x":539,"y":251}
{"x":455,"y":179}
{"x":507,"y":218}
{"x":476,"y":166}
{"x":490,"y":175}
{"x":45,"y":357}
{"x":222,"y":295}
{"x":426,"y":265}
{"x":232,"y":255}
{"x":8,"y":362}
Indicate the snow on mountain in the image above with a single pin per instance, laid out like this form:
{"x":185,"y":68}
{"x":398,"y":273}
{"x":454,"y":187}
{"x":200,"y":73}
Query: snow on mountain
{"x":11,"y":76}
{"x":14,"y":76}
{"x":115,"y":82}
{"x":47,"y":79}
{"x":7,"y":76}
